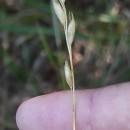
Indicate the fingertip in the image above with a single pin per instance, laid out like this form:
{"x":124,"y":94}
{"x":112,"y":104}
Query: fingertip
{"x":23,"y":114}
{"x":20,"y":114}
{"x":27,"y":114}
{"x":45,"y":112}
{"x":53,"y":111}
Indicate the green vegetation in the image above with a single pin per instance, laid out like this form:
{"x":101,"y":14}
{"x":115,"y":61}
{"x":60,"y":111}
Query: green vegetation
{"x":33,"y":48}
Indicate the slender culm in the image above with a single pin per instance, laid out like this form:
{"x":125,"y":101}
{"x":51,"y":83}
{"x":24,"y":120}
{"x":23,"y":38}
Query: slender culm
{"x":69,"y":29}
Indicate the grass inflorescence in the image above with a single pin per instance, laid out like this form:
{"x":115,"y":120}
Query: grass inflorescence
{"x":68,"y":23}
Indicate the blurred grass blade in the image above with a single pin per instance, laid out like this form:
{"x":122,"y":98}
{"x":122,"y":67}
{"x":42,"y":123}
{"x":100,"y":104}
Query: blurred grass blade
{"x":24,"y":29}
{"x":46,"y":47}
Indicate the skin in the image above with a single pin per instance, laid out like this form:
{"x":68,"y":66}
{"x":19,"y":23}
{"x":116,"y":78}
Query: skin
{"x":106,"y":108}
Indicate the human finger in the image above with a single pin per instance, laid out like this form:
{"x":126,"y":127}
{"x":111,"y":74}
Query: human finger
{"x":97,"y":109}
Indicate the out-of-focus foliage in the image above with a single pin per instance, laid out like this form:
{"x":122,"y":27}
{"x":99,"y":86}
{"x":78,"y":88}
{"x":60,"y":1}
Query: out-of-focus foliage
{"x":33,"y":50}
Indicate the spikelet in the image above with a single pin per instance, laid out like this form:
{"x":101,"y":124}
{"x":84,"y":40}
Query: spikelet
{"x":63,"y":1}
{"x":59,"y":11}
{"x":71,"y":29}
{"x":68,"y":74}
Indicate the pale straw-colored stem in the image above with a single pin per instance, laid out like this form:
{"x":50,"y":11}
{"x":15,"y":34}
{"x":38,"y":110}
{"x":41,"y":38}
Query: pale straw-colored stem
{"x":72,"y":87}
{"x":73,"y":93}
{"x":73,"y":81}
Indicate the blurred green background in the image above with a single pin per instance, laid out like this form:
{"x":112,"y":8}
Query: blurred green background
{"x":33,"y":49}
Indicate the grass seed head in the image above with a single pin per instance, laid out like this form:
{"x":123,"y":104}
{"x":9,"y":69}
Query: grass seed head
{"x":59,"y":11}
{"x":63,"y":1}
{"x":71,"y":29}
{"x":68,"y":74}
